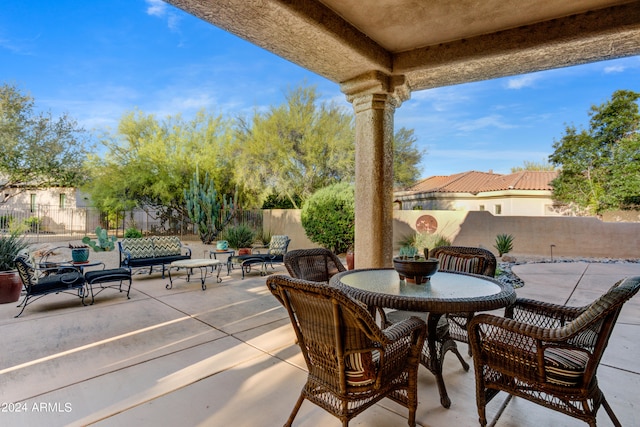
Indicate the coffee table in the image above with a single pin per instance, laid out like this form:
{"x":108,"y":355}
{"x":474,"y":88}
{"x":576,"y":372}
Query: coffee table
{"x":445,"y":292}
{"x":189,"y":264}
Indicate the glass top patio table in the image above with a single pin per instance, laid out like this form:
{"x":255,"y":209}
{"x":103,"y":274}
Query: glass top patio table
{"x":445,"y":292}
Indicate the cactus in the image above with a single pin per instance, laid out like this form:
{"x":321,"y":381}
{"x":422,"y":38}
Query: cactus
{"x":204,"y":209}
{"x":408,"y":252}
{"x":104,"y":242}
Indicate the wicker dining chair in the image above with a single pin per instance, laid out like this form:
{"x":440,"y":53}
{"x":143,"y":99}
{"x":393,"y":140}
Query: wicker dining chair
{"x":316,"y":265}
{"x":466,"y":260}
{"x":547,"y":353}
{"x":352,"y":363}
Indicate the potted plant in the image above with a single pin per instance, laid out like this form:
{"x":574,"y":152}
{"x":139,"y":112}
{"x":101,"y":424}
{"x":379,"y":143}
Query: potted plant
{"x":11,"y":244}
{"x":79,"y":253}
{"x":414,"y":268}
{"x":240,"y":237}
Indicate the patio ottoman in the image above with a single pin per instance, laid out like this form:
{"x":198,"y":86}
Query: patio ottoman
{"x":100,"y":277}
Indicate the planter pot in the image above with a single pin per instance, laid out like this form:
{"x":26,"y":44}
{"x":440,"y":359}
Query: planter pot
{"x":244,"y":251}
{"x":416,"y":271}
{"x":10,"y":287}
{"x":80,"y":255}
{"x":350,"y":260}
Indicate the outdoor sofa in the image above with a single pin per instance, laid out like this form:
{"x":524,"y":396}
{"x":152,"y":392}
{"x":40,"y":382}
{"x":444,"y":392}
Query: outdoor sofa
{"x":152,"y":251}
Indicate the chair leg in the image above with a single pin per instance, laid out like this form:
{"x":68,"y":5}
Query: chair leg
{"x":23,"y":304}
{"x":610,"y":412}
{"x":295,"y":411}
{"x":463,"y":362}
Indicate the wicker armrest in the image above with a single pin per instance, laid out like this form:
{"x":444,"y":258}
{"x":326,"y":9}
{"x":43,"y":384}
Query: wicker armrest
{"x":543,"y":314}
{"x":404,"y":328}
{"x":496,"y":326}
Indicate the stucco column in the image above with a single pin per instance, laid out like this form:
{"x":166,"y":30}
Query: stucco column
{"x":375,"y":97}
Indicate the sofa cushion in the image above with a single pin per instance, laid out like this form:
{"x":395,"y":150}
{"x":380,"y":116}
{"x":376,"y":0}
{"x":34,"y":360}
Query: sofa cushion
{"x":278,"y":245}
{"x":166,"y":245}
{"x":58,"y":282}
{"x":109,"y":275}
{"x":138,"y":248}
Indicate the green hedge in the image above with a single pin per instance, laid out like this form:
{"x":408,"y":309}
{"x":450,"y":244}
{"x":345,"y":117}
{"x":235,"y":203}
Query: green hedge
{"x":328,"y":217}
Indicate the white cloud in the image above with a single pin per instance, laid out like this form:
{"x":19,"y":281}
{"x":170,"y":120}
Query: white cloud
{"x":614,"y":69}
{"x":492,"y":121}
{"x":156,"y":8}
{"x":160,"y":9}
{"x":440,"y":99}
{"x":522,"y":81}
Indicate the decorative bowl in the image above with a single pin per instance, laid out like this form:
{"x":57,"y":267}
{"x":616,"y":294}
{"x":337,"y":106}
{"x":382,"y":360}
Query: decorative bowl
{"x":416,"y":270}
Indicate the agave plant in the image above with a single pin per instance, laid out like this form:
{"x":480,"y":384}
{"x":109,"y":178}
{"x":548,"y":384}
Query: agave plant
{"x":504,"y":243}
{"x":10,"y":246}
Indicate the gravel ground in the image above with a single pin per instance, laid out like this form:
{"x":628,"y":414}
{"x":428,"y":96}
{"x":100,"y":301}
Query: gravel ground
{"x":504,"y":273}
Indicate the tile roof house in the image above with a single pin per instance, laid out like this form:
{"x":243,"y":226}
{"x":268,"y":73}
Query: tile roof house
{"x":525,"y":193}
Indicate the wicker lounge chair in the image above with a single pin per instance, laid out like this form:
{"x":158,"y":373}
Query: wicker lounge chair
{"x":316,"y":265}
{"x":547,"y":353}
{"x":466,"y":260}
{"x":352,"y":363}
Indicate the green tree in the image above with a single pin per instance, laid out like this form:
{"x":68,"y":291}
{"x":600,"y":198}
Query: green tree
{"x":599,"y":166}
{"x":406,"y":158}
{"x":38,"y":150}
{"x":149,"y":163}
{"x":295,"y":148}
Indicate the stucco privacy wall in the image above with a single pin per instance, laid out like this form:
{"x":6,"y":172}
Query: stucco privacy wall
{"x":572,"y":236}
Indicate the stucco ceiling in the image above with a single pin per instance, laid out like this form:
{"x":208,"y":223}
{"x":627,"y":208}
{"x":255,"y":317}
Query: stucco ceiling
{"x":430,"y":43}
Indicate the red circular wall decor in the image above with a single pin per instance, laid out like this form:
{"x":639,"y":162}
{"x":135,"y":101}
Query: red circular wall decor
{"x":426,"y":223}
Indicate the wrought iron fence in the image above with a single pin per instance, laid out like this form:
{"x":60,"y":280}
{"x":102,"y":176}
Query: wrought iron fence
{"x":48,"y":223}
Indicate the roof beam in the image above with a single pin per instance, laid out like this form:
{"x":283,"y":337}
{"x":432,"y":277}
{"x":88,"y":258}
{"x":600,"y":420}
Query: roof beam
{"x":593,"y":36}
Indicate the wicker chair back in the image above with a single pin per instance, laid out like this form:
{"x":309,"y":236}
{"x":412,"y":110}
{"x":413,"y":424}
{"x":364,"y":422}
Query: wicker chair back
{"x":316,"y":265}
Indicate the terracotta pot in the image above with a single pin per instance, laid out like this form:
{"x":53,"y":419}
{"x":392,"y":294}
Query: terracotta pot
{"x":350,"y":260}
{"x":10,"y":287}
{"x":244,"y":251}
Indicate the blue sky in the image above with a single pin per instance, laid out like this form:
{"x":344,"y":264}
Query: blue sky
{"x":98,"y":60}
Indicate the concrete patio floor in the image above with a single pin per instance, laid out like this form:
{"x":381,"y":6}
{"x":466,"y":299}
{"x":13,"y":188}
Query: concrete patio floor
{"x":226,"y":357}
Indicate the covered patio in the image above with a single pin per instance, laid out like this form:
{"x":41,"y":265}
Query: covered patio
{"x":227,"y":357}
{"x":379,"y":52}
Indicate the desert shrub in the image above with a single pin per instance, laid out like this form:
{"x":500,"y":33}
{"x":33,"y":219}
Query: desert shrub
{"x":132,"y":233}
{"x":429,"y":241}
{"x":328,"y":217}
{"x":239,"y":236}
{"x":32,"y":223}
{"x":5,"y":221}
